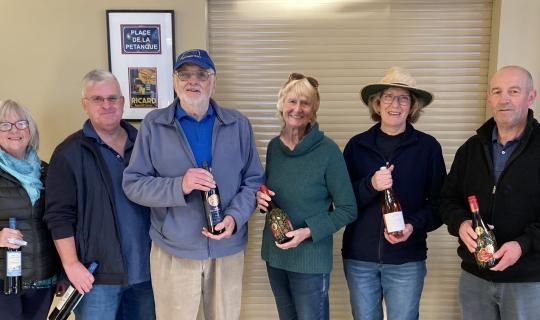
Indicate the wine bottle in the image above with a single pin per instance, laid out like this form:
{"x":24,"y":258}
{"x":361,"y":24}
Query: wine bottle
{"x":70,"y":299}
{"x":13,"y":258}
{"x":212,"y":206}
{"x":391,"y":212}
{"x":486,"y":245}
{"x":277,"y":220}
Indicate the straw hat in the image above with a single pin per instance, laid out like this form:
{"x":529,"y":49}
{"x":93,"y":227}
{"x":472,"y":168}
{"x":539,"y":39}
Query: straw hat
{"x":400,"y":78}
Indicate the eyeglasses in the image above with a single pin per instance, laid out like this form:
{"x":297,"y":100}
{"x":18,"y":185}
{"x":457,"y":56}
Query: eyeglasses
{"x":21,"y":125}
{"x":402,"y":100}
{"x":98,"y":100}
{"x":201,"y":75}
{"x":299,"y":76}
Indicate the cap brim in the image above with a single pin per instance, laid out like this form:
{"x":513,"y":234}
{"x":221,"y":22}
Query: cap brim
{"x":203,"y":65}
{"x":373,"y":88}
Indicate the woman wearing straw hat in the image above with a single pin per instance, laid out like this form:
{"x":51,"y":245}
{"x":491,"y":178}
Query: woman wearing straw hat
{"x":391,"y":154}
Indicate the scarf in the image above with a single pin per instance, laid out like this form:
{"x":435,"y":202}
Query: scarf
{"x":27,"y":171}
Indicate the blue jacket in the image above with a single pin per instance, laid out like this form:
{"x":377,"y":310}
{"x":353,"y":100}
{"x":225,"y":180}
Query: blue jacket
{"x":418,"y":176}
{"x":153,"y":178}
{"x":80,"y":203}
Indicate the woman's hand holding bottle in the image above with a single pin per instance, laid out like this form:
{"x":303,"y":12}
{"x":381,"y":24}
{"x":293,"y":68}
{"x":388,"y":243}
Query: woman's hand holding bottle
{"x":263,"y":199}
{"x":297,"y":236}
{"x":7,"y":234}
{"x":382,"y":178}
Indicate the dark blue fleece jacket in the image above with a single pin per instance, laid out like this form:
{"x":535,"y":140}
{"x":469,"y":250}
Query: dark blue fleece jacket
{"x":418,"y":176}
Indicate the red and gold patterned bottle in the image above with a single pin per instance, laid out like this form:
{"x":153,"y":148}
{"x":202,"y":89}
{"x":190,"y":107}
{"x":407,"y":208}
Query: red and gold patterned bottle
{"x":277,"y":220}
{"x":486,"y":245}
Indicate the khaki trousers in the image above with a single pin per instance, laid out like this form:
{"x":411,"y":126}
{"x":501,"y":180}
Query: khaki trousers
{"x":180,"y":285}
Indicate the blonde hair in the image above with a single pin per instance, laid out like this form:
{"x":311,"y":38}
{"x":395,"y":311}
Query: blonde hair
{"x":11,"y":107}
{"x":302,"y":88}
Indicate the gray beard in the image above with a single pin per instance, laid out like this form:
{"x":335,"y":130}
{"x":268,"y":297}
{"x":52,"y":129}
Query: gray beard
{"x":199,"y":103}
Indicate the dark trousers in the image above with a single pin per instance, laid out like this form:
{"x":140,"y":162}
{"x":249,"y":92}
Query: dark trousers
{"x":31,"y":304}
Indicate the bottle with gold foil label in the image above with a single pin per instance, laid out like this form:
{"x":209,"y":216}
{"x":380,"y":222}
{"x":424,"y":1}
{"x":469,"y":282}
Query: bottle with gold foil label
{"x":277,"y":220}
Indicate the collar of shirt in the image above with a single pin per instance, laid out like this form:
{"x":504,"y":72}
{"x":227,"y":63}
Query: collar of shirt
{"x":495,"y":138}
{"x":90,"y":132}
{"x":180,"y":114}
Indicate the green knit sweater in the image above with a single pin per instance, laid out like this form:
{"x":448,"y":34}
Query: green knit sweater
{"x":312,"y":185}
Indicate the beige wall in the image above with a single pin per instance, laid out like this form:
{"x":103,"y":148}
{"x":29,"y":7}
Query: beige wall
{"x":516,"y":37}
{"x":47,"y":47}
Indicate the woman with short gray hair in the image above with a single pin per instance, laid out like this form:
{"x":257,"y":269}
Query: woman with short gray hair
{"x":22,"y":176}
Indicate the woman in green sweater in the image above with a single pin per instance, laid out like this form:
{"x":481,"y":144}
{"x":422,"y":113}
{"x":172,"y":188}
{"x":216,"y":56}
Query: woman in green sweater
{"x":308,"y":179}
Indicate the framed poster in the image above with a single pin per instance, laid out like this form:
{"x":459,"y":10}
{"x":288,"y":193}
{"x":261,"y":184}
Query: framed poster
{"x":141,"y":56}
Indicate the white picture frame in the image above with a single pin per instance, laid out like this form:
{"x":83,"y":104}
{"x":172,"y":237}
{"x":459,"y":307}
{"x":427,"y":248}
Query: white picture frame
{"x":141,"y":56}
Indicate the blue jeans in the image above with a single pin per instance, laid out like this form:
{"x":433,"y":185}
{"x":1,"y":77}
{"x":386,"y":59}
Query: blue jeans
{"x":401,"y":286}
{"x":300,"y":296}
{"x":481,"y":299}
{"x":110,"y":302}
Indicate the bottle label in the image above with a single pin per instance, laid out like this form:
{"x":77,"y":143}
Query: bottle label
{"x":394,"y":221}
{"x":213,"y":200}
{"x":215,"y":215}
{"x":479,"y":231}
{"x":485,"y":248}
{"x":65,"y":297}
{"x":13,"y":264}
{"x":279,"y":224}
{"x":485,"y":254}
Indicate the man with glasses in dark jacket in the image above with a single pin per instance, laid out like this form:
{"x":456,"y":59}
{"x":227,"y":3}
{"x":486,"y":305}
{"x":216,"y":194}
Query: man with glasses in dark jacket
{"x":90,"y":217}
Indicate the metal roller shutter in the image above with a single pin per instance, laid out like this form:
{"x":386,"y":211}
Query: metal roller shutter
{"x":345,"y":45}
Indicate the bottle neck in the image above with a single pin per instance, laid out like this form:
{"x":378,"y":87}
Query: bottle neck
{"x":477,"y":220}
{"x":389,"y":195}
{"x":271,"y":205}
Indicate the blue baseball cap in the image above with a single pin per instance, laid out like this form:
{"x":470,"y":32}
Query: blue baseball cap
{"x":197,"y":56}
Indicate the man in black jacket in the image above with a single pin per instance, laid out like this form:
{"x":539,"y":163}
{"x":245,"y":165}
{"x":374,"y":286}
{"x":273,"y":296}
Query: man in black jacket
{"x":90,"y":217}
{"x":501,"y":166}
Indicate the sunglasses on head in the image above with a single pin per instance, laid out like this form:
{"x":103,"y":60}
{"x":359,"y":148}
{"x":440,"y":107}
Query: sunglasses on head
{"x":299,"y":76}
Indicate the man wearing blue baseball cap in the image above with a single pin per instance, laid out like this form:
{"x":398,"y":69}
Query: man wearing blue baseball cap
{"x":187,"y":261}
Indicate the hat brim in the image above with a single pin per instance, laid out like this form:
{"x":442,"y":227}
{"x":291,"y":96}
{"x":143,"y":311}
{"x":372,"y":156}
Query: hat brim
{"x":373,"y":88}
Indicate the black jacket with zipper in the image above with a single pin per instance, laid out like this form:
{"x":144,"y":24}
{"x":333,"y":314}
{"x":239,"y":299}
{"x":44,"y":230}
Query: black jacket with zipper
{"x":39,"y":258}
{"x":80,"y":204}
{"x":511,"y":205}
{"x":417,"y":180}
